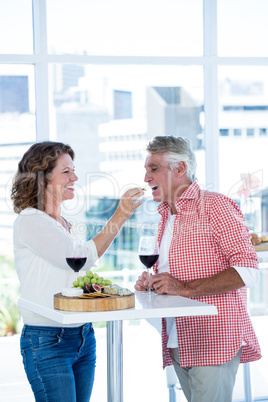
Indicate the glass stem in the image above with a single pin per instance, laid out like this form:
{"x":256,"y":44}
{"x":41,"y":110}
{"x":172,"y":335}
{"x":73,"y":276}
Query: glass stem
{"x":148,"y":276}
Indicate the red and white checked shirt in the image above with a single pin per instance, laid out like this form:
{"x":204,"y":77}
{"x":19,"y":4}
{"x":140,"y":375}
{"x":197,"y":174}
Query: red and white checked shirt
{"x":210,"y":236}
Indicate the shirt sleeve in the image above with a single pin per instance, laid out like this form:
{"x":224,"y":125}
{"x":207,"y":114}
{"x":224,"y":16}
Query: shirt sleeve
{"x":249,"y":276}
{"x":49,"y":240}
{"x":231,"y":233}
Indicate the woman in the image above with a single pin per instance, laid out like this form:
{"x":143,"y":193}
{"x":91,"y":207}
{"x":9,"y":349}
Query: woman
{"x":59,"y":360}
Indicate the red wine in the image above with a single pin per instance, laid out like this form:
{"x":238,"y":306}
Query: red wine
{"x":149,"y":260}
{"x":76,"y":263}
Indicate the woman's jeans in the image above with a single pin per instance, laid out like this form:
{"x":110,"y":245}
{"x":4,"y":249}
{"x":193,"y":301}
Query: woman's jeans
{"x":59,"y":362}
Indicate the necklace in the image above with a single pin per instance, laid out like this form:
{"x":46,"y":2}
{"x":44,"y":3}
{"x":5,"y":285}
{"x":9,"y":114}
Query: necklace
{"x":65,"y":223}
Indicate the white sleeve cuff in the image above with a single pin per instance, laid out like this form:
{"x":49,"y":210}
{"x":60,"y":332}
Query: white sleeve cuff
{"x":250,"y":276}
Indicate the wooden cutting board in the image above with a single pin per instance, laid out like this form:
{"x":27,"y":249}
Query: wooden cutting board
{"x":95,"y":304}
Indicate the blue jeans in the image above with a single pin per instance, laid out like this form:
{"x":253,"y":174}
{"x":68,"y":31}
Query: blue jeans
{"x":59,"y":362}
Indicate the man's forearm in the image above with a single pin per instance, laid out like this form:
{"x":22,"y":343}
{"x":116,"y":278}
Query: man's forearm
{"x":222,"y":282}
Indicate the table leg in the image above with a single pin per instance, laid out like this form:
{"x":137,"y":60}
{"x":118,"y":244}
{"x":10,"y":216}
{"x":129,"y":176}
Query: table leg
{"x":247,"y":382}
{"x":114,"y":361}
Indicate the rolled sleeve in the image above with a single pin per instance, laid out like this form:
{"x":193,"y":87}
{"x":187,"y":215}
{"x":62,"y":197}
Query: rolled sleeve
{"x":232,"y":234}
{"x":249,"y":276}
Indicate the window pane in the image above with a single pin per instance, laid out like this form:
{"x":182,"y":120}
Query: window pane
{"x":263,"y":131}
{"x":17,"y":132}
{"x":224,"y":132}
{"x":17,"y":104}
{"x":242,"y":27}
{"x":250,"y":132}
{"x":243,"y":112}
{"x":107,"y":116}
{"x":125,"y":27}
{"x":16,"y":27}
{"x":237,"y":131}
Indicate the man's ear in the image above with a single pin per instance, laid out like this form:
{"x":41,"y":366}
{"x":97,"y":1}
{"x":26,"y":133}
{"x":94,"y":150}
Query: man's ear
{"x":181,"y":168}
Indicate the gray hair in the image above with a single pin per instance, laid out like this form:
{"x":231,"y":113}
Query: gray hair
{"x":178,"y":149}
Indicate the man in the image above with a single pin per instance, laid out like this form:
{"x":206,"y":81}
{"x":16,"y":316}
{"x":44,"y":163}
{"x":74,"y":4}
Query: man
{"x":205,"y":254}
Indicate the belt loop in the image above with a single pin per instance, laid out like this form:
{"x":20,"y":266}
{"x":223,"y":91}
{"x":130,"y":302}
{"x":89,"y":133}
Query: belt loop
{"x":23,"y":330}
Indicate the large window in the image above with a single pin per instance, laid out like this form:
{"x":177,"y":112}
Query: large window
{"x":242,"y":28}
{"x":125,"y":28}
{"x":108,"y":113}
{"x":243,"y":123}
{"x":107,"y":75}
{"x":16,"y":27}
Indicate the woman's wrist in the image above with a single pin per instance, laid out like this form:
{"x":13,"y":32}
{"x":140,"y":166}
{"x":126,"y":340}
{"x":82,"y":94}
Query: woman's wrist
{"x":119,"y":218}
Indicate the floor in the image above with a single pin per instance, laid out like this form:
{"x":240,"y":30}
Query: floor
{"x":144,"y":378}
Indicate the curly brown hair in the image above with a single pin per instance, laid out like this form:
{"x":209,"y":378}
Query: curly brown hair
{"x":33,"y":174}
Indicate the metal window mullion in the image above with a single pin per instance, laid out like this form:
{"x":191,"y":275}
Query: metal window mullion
{"x":211,"y":94}
{"x":141,"y":60}
{"x":41,"y":69}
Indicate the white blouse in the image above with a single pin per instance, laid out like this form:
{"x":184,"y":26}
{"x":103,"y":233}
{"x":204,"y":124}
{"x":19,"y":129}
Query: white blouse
{"x":40,"y":260}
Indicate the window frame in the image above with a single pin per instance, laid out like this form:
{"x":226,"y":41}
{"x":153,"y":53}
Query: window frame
{"x":210,"y":61}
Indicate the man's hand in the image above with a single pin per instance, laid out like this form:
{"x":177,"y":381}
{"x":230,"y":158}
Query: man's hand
{"x":166,"y":284}
{"x":140,"y":284}
{"x":223,"y":282}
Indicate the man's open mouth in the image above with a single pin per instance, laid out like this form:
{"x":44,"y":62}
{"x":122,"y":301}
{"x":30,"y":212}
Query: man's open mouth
{"x":154,"y":187}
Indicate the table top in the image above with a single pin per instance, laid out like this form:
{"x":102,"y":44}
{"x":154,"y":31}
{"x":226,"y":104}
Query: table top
{"x":262,"y":253}
{"x":146,"y":306}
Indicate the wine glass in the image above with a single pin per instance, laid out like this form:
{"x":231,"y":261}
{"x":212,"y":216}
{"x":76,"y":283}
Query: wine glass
{"x":76,"y":255}
{"x":148,"y":252}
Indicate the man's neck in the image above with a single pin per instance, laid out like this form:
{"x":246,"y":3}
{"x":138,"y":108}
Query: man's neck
{"x":179,"y":194}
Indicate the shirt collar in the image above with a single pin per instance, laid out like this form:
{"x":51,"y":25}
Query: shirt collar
{"x":191,"y":192}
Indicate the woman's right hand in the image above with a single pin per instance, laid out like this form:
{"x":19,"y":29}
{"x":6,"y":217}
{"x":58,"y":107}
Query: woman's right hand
{"x":128,"y":204}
